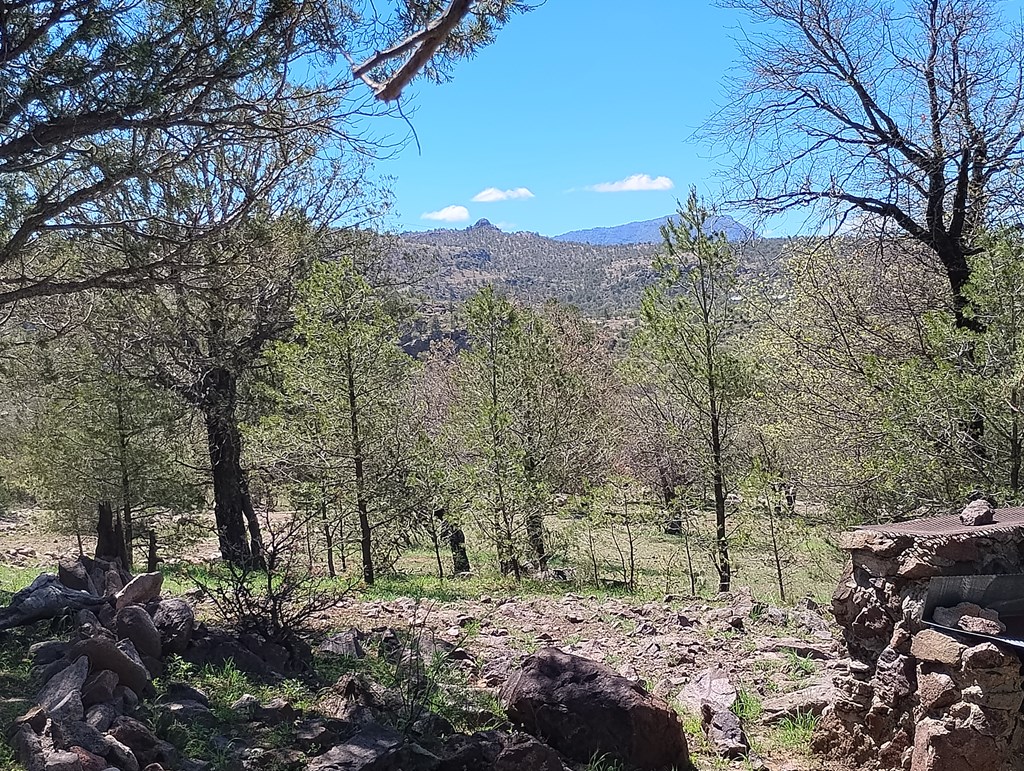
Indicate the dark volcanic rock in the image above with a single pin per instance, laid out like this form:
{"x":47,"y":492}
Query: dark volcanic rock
{"x":176,"y":622}
{"x":68,"y":679}
{"x":724,"y":731}
{"x":105,"y":654}
{"x":584,"y":709}
{"x":375,"y":748}
{"x":135,"y":624}
{"x":343,"y":644}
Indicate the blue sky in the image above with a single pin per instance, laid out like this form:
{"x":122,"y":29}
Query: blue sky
{"x":572,"y":96}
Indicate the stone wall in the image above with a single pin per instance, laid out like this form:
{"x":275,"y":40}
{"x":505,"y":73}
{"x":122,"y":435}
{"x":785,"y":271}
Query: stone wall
{"x":911,"y":697}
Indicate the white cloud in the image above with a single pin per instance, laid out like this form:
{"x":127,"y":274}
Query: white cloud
{"x":447,"y":214}
{"x":493,"y":194}
{"x":633,"y":183}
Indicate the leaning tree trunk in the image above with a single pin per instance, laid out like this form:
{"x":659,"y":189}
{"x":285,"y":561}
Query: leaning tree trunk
{"x":237,"y":526}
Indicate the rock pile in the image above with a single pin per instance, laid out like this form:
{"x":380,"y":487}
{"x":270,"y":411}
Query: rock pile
{"x":91,"y":684}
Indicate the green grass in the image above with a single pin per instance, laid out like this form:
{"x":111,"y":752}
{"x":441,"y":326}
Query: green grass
{"x":800,"y":666}
{"x":224,"y":685}
{"x":795,"y":733}
{"x":13,"y":579}
{"x":15,"y":687}
{"x":747,"y":706}
{"x":603,"y":763}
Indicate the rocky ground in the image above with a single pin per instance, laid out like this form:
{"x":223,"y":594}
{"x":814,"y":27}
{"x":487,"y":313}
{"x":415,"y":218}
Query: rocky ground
{"x":776,"y":663}
{"x":771,"y":667}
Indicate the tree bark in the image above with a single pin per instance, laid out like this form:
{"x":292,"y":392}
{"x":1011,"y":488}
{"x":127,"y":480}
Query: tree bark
{"x":362,"y":506}
{"x":722,"y":562}
{"x":110,"y":541}
{"x":237,"y":526}
{"x":152,"y":560}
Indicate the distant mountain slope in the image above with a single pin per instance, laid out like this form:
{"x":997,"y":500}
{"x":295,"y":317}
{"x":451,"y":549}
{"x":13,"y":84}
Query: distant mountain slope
{"x":598,"y":279}
{"x":601,"y":279}
{"x":649,"y":232}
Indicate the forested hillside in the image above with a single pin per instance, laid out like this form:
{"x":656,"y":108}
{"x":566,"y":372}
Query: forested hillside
{"x":601,"y":280}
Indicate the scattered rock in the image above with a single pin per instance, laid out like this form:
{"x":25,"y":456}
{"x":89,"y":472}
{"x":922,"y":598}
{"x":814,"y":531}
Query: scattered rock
{"x":101,"y":716}
{"x":811,"y":700}
{"x":343,"y":644}
{"x":184,"y":692}
{"x":68,"y":679}
{"x":979,"y":512}
{"x":105,"y":654}
{"x":724,"y":732}
{"x":276,"y":711}
{"x":713,"y":687}
{"x":582,"y":709}
{"x":67,"y":710}
{"x":74,"y":575}
{"x":188,"y":712}
{"x":99,"y":687}
{"x":62,"y":761}
{"x":524,"y":752}
{"x":46,"y":652}
{"x":970,"y":618}
{"x":35,"y":719}
{"x":375,"y":748}
{"x":933,"y":645}
{"x":28,"y":749}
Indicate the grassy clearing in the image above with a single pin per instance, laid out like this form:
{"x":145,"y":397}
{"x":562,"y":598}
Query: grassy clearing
{"x":659,"y":566}
{"x":14,"y":578}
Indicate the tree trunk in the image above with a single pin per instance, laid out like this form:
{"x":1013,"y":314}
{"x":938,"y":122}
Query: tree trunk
{"x":365,"y":531}
{"x":721,"y":532}
{"x":534,"y":515}
{"x":233,"y":508}
{"x":152,"y":560}
{"x":457,"y":543}
{"x":126,"y":482}
{"x":328,"y":533}
{"x":958,"y":271}
{"x":106,"y":538}
{"x":1015,"y":440}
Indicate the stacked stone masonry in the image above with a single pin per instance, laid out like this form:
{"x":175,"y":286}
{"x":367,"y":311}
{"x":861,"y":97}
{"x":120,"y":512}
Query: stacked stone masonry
{"x":911,"y":697}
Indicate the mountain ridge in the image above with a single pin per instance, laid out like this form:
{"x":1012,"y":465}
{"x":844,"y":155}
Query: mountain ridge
{"x":649,"y":232}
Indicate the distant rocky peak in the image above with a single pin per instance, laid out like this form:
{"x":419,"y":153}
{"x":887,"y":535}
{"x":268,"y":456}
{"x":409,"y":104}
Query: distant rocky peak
{"x":483,"y":224}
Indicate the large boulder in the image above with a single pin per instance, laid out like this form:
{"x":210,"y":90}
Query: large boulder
{"x":176,"y":622}
{"x":584,"y":709}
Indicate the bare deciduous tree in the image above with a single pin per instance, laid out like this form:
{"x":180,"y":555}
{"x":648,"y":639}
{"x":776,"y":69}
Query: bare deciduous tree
{"x":909,"y":113}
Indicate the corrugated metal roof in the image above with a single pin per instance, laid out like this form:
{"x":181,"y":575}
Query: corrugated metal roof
{"x":950,"y":525}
